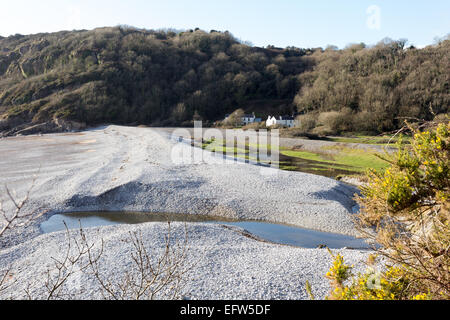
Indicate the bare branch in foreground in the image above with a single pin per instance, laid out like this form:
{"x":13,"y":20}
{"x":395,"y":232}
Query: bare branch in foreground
{"x":17,"y":218}
{"x":70,"y":264}
{"x":153,"y":276}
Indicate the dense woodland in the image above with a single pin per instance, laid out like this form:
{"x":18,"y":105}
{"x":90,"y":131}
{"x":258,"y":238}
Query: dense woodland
{"x":125,"y":75}
{"x":374,"y":89}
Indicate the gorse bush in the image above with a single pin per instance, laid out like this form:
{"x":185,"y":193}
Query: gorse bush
{"x":417,"y":180}
{"x":405,"y":209}
{"x":392,"y":284}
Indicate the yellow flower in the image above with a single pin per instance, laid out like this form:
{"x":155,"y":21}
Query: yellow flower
{"x":422,"y":296}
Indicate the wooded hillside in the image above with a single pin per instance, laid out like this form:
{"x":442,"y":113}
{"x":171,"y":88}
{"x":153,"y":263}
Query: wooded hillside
{"x":124,"y":75}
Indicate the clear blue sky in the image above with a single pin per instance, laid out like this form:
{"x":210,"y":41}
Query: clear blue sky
{"x":301,"y":23}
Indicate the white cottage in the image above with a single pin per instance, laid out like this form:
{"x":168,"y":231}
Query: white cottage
{"x":285,"y":121}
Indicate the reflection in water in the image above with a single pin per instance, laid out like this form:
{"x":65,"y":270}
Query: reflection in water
{"x":271,"y":232}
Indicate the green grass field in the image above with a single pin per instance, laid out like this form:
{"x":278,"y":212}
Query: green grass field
{"x":338,"y":158}
{"x":351,"y":159}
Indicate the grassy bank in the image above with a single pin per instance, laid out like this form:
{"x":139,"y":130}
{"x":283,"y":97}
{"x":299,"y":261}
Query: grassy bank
{"x":352,"y":159}
{"x":332,"y":161}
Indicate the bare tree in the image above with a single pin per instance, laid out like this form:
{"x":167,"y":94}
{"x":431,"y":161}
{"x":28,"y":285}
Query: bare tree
{"x":4,"y":279}
{"x":153,"y":276}
{"x":17,"y":217}
{"x":72,"y":262}
{"x":10,"y":220}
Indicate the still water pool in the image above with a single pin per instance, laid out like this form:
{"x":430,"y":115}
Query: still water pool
{"x":272,"y":232}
